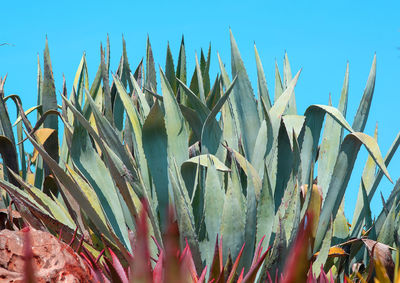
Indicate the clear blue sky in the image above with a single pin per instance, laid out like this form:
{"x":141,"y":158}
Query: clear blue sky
{"x":319,"y":37}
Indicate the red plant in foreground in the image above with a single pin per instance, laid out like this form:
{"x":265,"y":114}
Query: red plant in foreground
{"x":171,"y":264}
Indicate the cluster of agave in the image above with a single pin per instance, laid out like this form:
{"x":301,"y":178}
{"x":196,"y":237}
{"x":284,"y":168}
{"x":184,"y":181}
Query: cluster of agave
{"x":230,"y":165}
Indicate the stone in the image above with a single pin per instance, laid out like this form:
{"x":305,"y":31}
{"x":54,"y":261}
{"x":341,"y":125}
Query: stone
{"x":52,"y":260}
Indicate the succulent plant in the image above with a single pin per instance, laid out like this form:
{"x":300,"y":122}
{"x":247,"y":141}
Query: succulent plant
{"x":230,"y":164}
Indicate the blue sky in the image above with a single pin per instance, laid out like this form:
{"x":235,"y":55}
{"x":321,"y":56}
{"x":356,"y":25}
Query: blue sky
{"x":319,"y":37}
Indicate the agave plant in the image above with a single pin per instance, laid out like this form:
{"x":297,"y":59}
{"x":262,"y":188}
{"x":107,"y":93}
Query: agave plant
{"x":231,"y":164}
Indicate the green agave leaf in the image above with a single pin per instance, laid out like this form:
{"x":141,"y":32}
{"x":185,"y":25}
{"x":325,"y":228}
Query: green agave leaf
{"x":233,"y":216}
{"x":46,"y":202}
{"x":265,"y":211}
{"x":16,"y":99}
{"x":229,"y":132}
{"x":151,"y":79}
{"x":141,"y":97}
{"x":293,"y":124}
{"x":331,"y":139}
{"x":263,"y":145}
{"x":278,"y":83}
{"x":155,"y":148}
{"x":323,"y":253}
{"x":287,"y":78}
{"x":170,"y":69}
{"x":360,"y":120}
{"x":367,"y":214}
{"x":5,"y":123}
{"x":194,"y":102}
{"x":106,"y":99}
{"x":95,"y":171}
{"x":39,"y":162}
{"x":23,"y":205}
{"x":10,"y":159}
{"x":39,"y":82}
{"x":389,"y":155}
{"x":249,"y":170}
{"x":278,"y":109}
{"x":340,"y":227}
{"x":284,"y":166}
{"x":262,"y":88}
{"x":243,"y":103}
{"x":387,"y":232}
{"x":81,"y":80}
{"x":181,"y":66}
{"x":341,"y":175}
{"x":387,"y":206}
{"x":124,"y":73}
{"x":175,"y":124}
{"x":309,"y":137}
{"x":72,"y":188}
{"x":137,"y":130}
{"x":200,"y":81}
{"x":224,"y":75}
{"x":291,"y":219}
{"x":184,"y":215}
{"x":89,"y":192}
{"x":204,"y":160}
{"x":211,"y":133}
{"x":276,"y":258}
{"x":21,"y":148}
{"x":120,"y":167}
{"x":193,"y":119}
{"x":48,"y":92}
{"x":194,"y":84}
{"x":215,"y":93}
{"x":205,"y":68}
{"x":367,"y":180}
{"x":214,"y":197}
{"x":108,"y":133}
{"x":252,"y":196}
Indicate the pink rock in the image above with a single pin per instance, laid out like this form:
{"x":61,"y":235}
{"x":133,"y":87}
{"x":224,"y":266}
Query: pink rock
{"x":53,"y":260}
